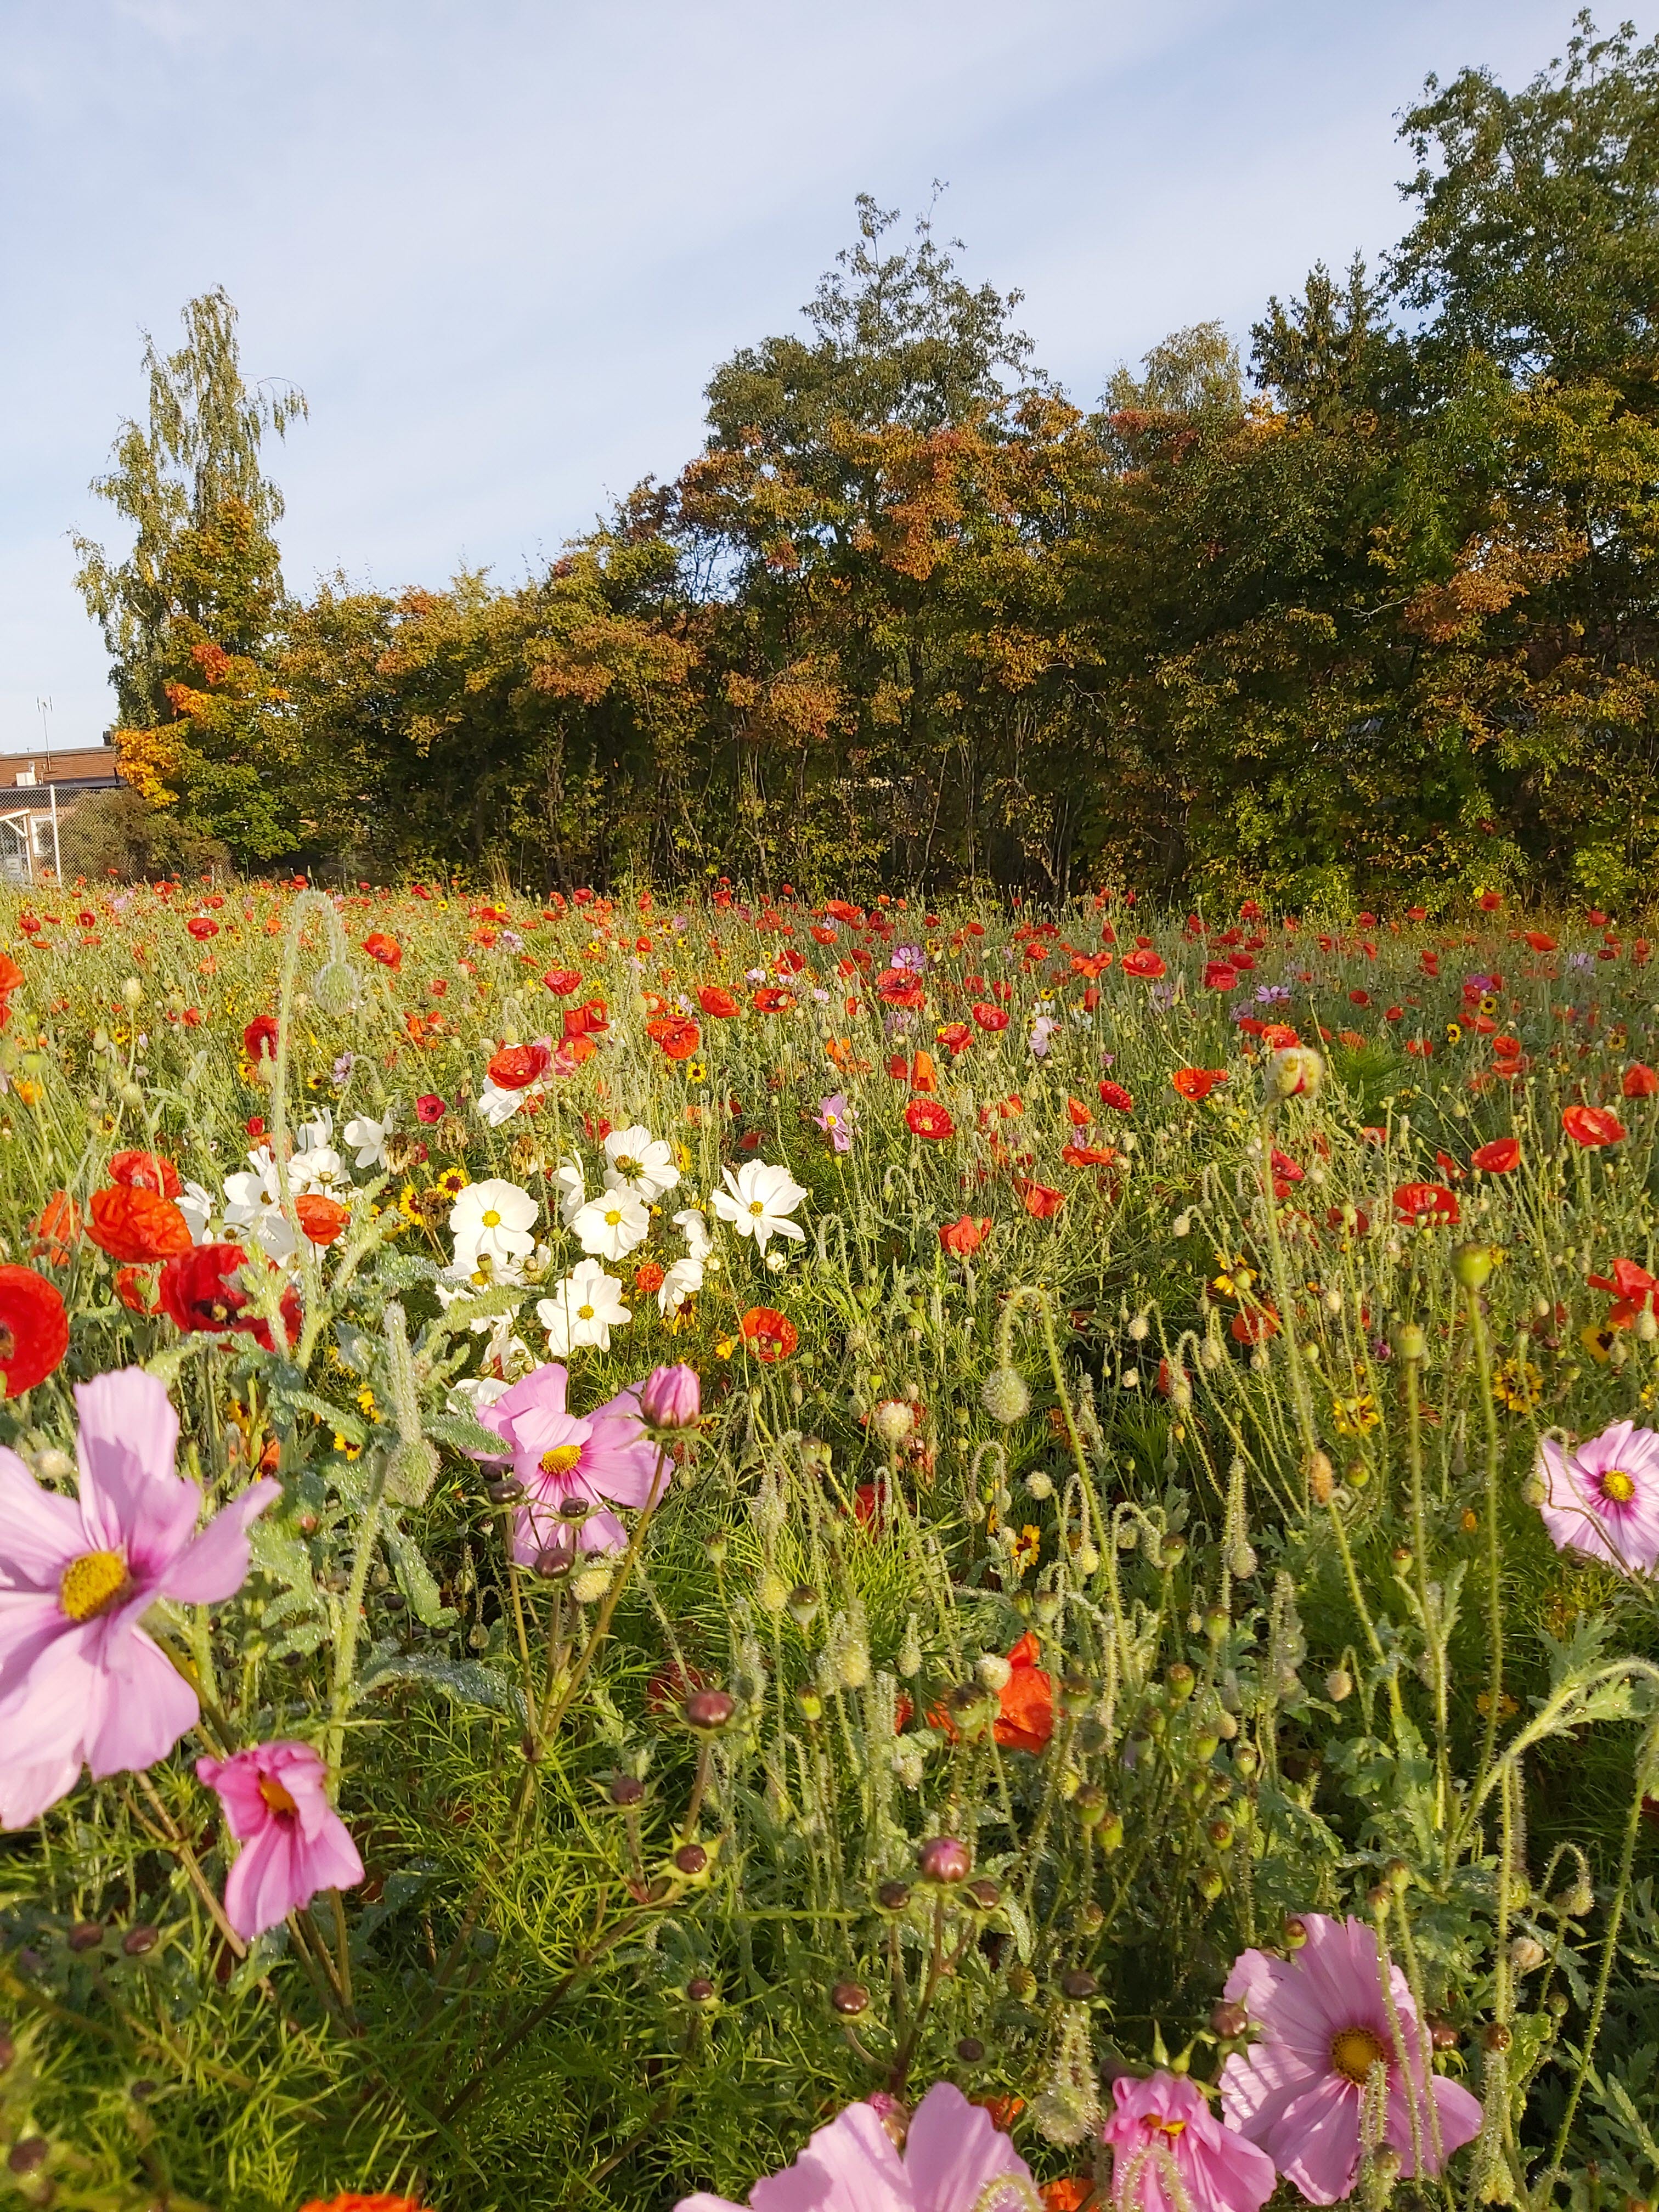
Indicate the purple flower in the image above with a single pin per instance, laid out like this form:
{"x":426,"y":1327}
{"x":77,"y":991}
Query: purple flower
{"x":1163,"y":995}
{"x":911,"y":956}
{"x":81,"y":1683}
{"x":598,"y":1460}
{"x":1481,"y":983}
{"x":838,"y":1121}
{"x":1604,"y":1498}
{"x":1042,"y":1030}
{"x":1164,"y":2122}
{"x":1584,"y":962}
{"x":672,"y":1397}
{"x":294,"y":1841}
{"x":1323,"y":2023}
{"x":952,"y":2161}
{"x":898,"y":1021}
{"x":1272,"y":995}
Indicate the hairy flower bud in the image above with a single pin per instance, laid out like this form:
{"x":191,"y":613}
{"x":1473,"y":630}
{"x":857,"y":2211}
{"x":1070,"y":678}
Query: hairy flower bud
{"x":1295,"y":1072}
{"x":1005,"y":1395}
{"x":1472,"y":1263}
{"x":893,"y":1420}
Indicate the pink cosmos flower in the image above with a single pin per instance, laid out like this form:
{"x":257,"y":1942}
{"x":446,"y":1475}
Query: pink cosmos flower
{"x":1166,"y":2119}
{"x":294,"y":1842}
{"x":81,"y":1684}
{"x":1604,"y":1498}
{"x":951,"y":2158}
{"x":594,"y":1459}
{"x":1324,"y":2023}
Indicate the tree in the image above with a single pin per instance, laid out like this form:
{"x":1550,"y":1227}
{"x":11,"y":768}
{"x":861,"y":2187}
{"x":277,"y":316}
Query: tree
{"x":1537,"y":233}
{"x":190,"y":613}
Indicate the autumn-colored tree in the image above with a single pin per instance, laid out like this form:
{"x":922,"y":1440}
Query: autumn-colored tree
{"x":189,"y":612}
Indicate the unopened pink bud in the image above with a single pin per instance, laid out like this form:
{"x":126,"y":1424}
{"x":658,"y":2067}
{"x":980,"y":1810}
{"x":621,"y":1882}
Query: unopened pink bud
{"x":670,"y":1398}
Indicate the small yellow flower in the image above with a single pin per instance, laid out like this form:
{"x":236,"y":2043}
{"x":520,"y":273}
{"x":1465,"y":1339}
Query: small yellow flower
{"x":725,"y":1347}
{"x":453,"y":1182}
{"x":1453,"y":1033}
{"x":1352,"y":1417}
{"x":1517,"y":1386}
{"x":1598,"y":1342}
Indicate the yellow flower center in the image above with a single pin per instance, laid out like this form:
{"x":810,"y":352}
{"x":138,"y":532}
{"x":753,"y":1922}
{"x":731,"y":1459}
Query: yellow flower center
{"x":276,"y":1796}
{"x":1618,"y":1486}
{"x":756,"y":1207}
{"x":626,"y":1167}
{"x":583,"y":1313}
{"x":613,"y":1217}
{"x":1171,"y":2128}
{"x":92,"y":1585}
{"x":1355,"y":2051}
{"x":492,"y":1219}
{"x":560,"y":1459}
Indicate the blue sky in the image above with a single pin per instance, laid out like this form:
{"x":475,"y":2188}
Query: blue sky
{"x":500,"y":243}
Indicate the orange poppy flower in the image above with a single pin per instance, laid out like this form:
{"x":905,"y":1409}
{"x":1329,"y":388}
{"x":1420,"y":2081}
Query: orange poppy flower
{"x":716,"y":1000}
{"x":768,"y":1335}
{"x":773,"y":998}
{"x":516,"y":1067}
{"x":677,"y":1033}
{"x":1426,"y":1202}
{"x":1144,"y":962}
{"x":1039,"y":1201}
{"x":386,"y":949}
{"x":145,"y":1172}
{"x":1197,"y":1083}
{"x":323,"y":1219}
{"x":59,"y":1226}
{"x":925,"y":1117}
{"x":133,"y":1226}
{"x":1639,"y":1081}
{"x":965,"y":1236}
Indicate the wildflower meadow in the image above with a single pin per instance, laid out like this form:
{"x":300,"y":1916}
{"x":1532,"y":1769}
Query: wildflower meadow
{"x":653,"y":1548}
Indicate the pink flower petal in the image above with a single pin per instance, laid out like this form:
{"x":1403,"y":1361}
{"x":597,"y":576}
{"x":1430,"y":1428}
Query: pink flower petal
{"x":130,"y":1498}
{"x":215,"y":1564}
{"x":43,"y":1532}
{"x":953,"y":2153}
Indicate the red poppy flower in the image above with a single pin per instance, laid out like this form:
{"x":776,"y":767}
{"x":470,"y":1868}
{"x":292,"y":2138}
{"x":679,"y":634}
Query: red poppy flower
{"x":1144,"y":962}
{"x":768,"y":1335}
{"x":1253,"y":1325}
{"x":954,"y":1036}
{"x":59,"y":1226}
{"x":135,"y":1225}
{"x":1220,"y":975}
{"x":773,"y":998}
{"x":132,"y":1287}
{"x":1026,"y":1720}
{"x":1067,"y":2193}
{"x":899,"y":988}
{"x":925,"y":1117}
{"x":386,"y":949}
{"x":259,"y":1038}
{"x":145,"y":1172}
{"x":648,"y":1279}
{"x":717,"y":1001}
{"x":561,"y":981}
{"x":11,"y":975}
{"x":965,"y":1236}
{"x":428,"y":1108}
{"x":1197,"y":1083}
{"x":1337,"y":1217}
{"x":1632,"y":1286}
{"x":201,"y":927}
{"x":1490,"y":902}
{"x":516,"y":1067}
{"x":1089,"y":1156}
{"x":1114,"y":1095}
{"x":323,"y":1219}
{"x":989,"y":1016}
{"x":677,"y":1033}
{"x":352,"y":2201}
{"x":1499,"y":1157}
{"x":1039,"y":1201}
{"x":33,"y":1328}
{"x":1639,"y":1081}
{"x":1540,"y":940}
{"x":199,"y":1292}
{"x":582,"y":1021}
{"x":1592,"y":1125}
{"x":1426,"y":1202}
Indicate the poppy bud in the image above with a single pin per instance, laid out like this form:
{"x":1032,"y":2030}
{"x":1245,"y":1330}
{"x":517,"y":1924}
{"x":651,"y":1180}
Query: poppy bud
{"x":1472,"y":1263}
{"x":1322,"y":1478}
{"x":944,"y":1859}
{"x":1005,"y":1395}
{"x":803,"y":1602}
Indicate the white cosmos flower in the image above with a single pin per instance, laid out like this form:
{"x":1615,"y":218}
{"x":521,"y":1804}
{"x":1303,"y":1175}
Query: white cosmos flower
{"x":693,"y":1224}
{"x":567,"y":1180}
{"x":319,"y":1167}
{"x":613,"y":1223}
{"x":635,"y":1160}
{"x":195,"y":1204}
{"x":758,"y":1201}
{"x":583,"y":1308}
{"x":492,"y":1220}
{"x":369,"y":1138}
{"x":497,"y":1105}
{"x":254,"y":1207}
{"x":683,"y":1281}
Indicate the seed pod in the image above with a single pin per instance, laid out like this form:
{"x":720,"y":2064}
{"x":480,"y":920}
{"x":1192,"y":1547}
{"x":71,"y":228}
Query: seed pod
{"x":849,"y":1999}
{"x":1409,"y":1341}
{"x":985,"y":1894}
{"x":1022,"y":1984}
{"x":1180,"y":1681}
{"x":139,"y":1941}
{"x":1472,"y":1265}
{"x":85,"y":1936}
{"x":803,"y":1603}
{"x":970,"y":2049}
{"x":690,"y":1860}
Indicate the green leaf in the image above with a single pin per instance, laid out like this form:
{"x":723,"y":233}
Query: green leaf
{"x":466,"y":1682}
